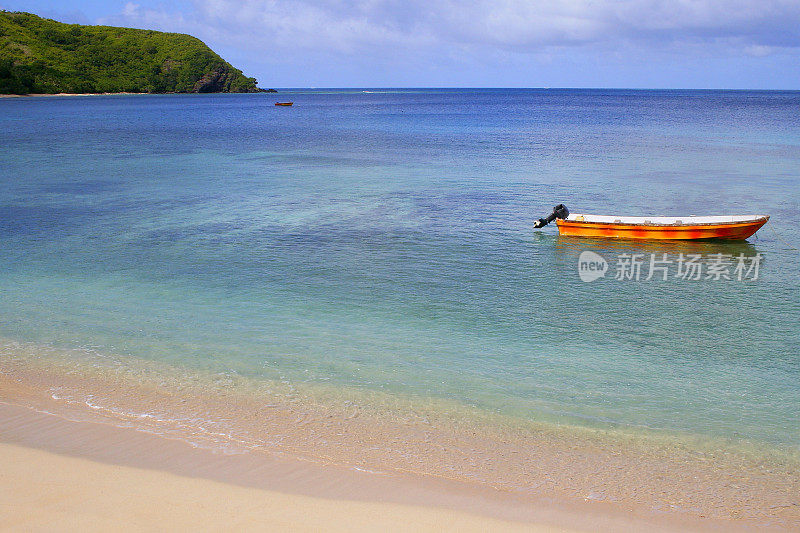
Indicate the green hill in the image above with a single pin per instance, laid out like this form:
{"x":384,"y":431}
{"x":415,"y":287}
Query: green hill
{"x":40,"y":55}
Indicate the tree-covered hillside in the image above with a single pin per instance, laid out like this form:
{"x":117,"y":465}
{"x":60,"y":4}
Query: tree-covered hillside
{"x":40,"y":55}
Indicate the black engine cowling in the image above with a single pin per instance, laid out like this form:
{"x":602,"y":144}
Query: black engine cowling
{"x":559,"y":211}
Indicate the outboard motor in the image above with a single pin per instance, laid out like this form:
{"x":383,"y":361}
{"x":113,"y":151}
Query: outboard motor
{"x":559,"y":211}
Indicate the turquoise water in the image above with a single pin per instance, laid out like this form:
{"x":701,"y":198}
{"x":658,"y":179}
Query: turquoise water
{"x":383,"y":240}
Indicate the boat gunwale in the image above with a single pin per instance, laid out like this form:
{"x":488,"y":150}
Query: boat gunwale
{"x":741,"y":223}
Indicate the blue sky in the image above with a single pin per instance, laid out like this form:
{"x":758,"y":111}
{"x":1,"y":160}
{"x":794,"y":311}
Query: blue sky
{"x":477,"y":43}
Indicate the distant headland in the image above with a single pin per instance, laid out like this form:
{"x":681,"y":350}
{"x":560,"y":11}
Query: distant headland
{"x":43,"y":56}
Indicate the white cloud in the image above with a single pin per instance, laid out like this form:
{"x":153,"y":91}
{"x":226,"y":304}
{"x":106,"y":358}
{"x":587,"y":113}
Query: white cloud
{"x":758,"y":50}
{"x":358,"y":27}
{"x":130,"y":10}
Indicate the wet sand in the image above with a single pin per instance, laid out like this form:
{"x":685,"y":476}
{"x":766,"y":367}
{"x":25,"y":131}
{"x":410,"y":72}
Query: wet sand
{"x":282,"y":442}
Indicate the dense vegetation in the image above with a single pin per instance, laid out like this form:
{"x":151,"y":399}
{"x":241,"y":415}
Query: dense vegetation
{"x":39,"y":55}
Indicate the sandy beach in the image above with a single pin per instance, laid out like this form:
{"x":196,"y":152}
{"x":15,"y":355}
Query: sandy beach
{"x":41,"y":490}
{"x":92,"y":477}
{"x":304,"y":465}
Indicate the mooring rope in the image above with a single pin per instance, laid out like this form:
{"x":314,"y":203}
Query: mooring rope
{"x":784,"y":242}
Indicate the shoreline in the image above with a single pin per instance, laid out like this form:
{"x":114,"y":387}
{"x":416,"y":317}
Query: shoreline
{"x":513,"y":472}
{"x":51,"y":451}
{"x":127,"y":448}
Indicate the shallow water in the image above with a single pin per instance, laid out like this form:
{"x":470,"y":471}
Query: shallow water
{"x":383,"y":241}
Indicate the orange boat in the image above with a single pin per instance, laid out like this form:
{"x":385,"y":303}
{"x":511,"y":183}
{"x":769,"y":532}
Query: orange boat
{"x":654,"y":228}
{"x":284,"y":103}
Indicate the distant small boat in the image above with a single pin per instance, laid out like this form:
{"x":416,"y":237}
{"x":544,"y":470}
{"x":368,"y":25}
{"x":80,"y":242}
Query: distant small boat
{"x":654,"y":228}
{"x":284,"y":103}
